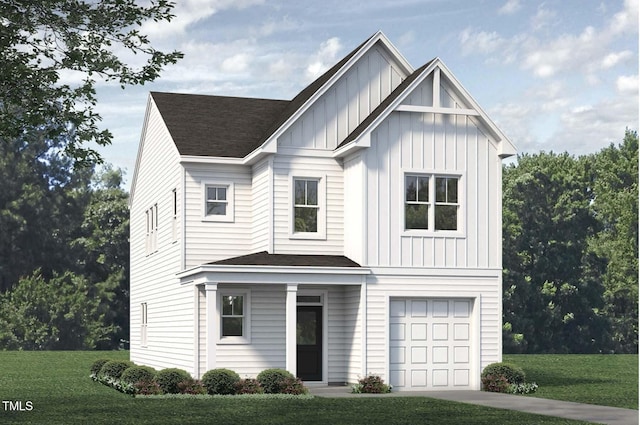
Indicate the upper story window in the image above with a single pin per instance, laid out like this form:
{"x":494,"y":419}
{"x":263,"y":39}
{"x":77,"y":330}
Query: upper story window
{"x":308,"y":215}
{"x":306,"y":205}
{"x":174,"y":220}
{"x":431,"y":202}
{"x":151,"y":238}
{"x":218,"y":201}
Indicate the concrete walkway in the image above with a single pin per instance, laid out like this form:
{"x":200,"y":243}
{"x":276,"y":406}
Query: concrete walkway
{"x":562,"y":409}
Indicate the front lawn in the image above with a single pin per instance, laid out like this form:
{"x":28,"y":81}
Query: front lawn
{"x":608,"y":379}
{"x":59,"y":388}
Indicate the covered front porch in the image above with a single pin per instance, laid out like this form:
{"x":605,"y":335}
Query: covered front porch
{"x":296,"y":312}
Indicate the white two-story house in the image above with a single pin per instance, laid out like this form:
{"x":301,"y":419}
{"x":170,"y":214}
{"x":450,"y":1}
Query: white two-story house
{"x":352,"y":230}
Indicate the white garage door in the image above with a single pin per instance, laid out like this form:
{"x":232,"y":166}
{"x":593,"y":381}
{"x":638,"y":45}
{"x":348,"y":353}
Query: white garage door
{"x":430,"y":344}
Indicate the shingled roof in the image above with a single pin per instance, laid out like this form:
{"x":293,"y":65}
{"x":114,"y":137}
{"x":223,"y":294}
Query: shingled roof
{"x":263,"y":258}
{"x":221,"y":126}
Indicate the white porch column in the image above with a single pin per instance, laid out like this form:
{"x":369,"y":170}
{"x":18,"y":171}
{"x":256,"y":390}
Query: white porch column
{"x":290,"y":327}
{"x":212,"y":328}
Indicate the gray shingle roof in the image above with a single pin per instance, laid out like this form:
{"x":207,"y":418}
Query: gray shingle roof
{"x":222,"y":126}
{"x":263,"y":258}
{"x":217,"y":125}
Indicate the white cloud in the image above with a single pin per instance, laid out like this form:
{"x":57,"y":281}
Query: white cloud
{"x":510,"y":7}
{"x":627,"y":19}
{"x":324,"y":58}
{"x":480,"y":42}
{"x":627,"y":84}
{"x":543,"y":18}
{"x":236,"y":63}
{"x":613,"y":59}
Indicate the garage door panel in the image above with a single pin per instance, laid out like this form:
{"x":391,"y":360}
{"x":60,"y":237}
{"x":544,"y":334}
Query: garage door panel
{"x":430,"y":343}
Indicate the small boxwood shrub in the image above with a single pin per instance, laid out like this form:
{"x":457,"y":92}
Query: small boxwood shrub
{"x":272,"y":380}
{"x":168,"y":379}
{"x":114,"y":369}
{"x":512,"y":373}
{"x":96,"y":366}
{"x":220,"y":381}
{"x":138,"y":373}
{"x":147,"y":388}
{"x":249,"y":386}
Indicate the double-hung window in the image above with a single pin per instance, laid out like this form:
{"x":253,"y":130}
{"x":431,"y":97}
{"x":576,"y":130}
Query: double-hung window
{"x":431,"y":202}
{"x":143,"y":324}
{"x":234,"y":317}
{"x":306,"y":206}
{"x":151,"y":238}
{"x":218,"y":201}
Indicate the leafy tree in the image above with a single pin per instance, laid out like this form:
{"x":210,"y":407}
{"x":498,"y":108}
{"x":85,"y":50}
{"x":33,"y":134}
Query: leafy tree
{"x":551,"y":287}
{"x":85,"y":39}
{"x":616,"y":207}
{"x":54,"y":314}
{"x":104,"y":254}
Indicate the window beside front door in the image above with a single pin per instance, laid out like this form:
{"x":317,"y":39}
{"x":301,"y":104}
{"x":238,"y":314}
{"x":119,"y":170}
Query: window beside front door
{"x":234,"y":317}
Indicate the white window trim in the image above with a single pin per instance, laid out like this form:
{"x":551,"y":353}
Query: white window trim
{"x":246,"y":322}
{"x":151,"y":225}
{"x":229,"y":216}
{"x":143,"y":324}
{"x":174,"y":219}
{"x":321,"y":234}
{"x":433,"y":174}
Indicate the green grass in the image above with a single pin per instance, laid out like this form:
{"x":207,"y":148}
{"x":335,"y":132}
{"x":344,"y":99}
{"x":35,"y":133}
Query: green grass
{"x":608,"y":380}
{"x":58,"y":385}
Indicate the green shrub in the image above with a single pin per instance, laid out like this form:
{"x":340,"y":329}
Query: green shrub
{"x":495,"y":383}
{"x":96,"y":366}
{"x":114,"y":369}
{"x":512,"y":373}
{"x":371,"y":384}
{"x":249,"y":386}
{"x":168,"y":379}
{"x":138,"y":373}
{"x":522,"y":388}
{"x":272,"y":380}
{"x":220,"y":381}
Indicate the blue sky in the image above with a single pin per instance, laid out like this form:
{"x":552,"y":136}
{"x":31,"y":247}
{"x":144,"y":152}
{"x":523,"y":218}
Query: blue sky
{"x":557,"y":75}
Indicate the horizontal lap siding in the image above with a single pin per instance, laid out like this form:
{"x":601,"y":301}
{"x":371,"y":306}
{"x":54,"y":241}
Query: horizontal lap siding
{"x":209,"y":241}
{"x":381,"y":288}
{"x":345,"y":105}
{"x":261,"y":205}
{"x":170,"y":317}
{"x":284,"y":168}
{"x":267,"y":347}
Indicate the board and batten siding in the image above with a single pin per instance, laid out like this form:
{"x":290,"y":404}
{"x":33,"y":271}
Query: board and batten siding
{"x":170,"y":316}
{"x":208,"y":241}
{"x":486,"y":294}
{"x":410,"y":142}
{"x":347,"y":103}
{"x":286,"y":167}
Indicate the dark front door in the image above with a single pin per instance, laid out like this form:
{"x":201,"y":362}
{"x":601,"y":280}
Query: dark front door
{"x":309,"y":341}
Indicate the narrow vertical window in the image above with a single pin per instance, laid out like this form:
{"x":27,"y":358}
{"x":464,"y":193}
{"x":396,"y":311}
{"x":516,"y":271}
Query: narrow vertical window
{"x":416,"y":208}
{"x":151,"y":237}
{"x":143,"y":324}
{"x":306,"y":205}
{"x":446,"y":208}
{"x":232,"y":315}
{"x":174,"y":198}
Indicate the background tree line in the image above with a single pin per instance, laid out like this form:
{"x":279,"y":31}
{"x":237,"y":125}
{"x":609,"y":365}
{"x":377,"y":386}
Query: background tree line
{"x":570,"y":252}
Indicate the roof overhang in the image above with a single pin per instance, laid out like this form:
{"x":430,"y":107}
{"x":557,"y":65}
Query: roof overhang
{"x":259,"y":275}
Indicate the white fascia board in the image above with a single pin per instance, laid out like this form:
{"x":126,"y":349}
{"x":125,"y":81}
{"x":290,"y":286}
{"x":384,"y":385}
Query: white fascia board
{"x":274,"y":275}
{"x":379,"y":36}
{"x":193,"y":159}
{"x":486,"y":273}
{"x":365,"y":136}
{"x":143,"y":134}
{"x":506,"y":147}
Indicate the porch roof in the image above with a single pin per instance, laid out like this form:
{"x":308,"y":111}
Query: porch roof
{"x":263,"y":258}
